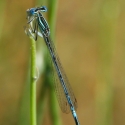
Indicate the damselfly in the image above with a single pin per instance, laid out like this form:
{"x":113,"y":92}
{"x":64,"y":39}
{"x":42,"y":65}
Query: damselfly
{"x":65,"y":95}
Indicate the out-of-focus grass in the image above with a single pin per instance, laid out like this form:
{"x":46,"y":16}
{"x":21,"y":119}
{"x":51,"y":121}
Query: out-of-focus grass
{"x":2,"y":9}
{"x":109,"y":13}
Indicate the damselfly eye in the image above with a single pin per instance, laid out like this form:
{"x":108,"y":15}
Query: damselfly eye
{"x":31,"y":12}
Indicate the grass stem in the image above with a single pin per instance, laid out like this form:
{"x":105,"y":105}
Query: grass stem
{"x":33,"y":83}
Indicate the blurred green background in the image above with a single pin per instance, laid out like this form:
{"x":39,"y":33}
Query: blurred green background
{"x":90,"y":42}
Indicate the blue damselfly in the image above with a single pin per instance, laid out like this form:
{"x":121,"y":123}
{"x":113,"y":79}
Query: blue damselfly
{"x":65,"y":95}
